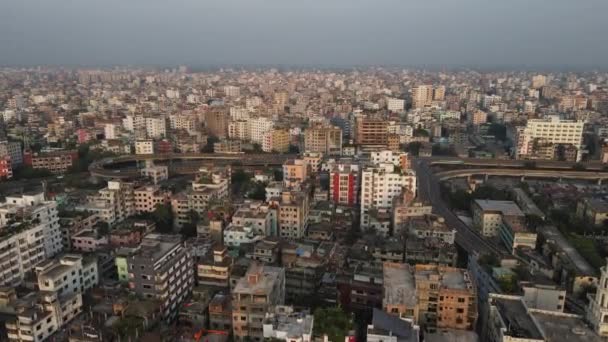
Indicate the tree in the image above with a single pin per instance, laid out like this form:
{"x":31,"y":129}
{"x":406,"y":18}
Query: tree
{"x":163,"y":217}
{"x":212,"y":139}
{"x":499,"y":131}
{"x":333,"y":322}
{"x":258,"y":192}
{"x":278,"y":175}
{"x":534,"y":221}
{"x":294,"y":149}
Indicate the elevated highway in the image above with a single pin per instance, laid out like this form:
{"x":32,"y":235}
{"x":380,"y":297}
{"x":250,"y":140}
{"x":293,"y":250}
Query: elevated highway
{"x":109,"y":167}
{"x":531,"y":173}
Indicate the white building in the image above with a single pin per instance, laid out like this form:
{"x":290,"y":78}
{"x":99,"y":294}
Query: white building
{"x":380,"y":184}
{"x":41,"y":212}
{"x":156,"y":127}
{"x":72,"y":273}
{"x":597,"y":311}
{"x":544,"y":297}
{"x":286,"y":325}
{"x":239,"y":130}
{"x":132,"y":122}
{"x":488,"y":215}
{"x":552,"y":130}
{"x":259,"y":126}
{"x":113,"y":203}
{"x":156,"y":173}
{"x":111,"y":131}
{"x":400,"y":159}
{"x":232,"y":91}
{"x":395,"y":105}
{"x":144,"y":147}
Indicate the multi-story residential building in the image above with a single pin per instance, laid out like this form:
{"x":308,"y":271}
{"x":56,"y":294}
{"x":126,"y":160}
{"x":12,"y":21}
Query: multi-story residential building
{"x":399,"y":292}
{"x":371,"y":132}
{"x":549,"y":297}
{"x":38,"y":316}
{"x":56,"y":162}
{"x":148,"y":197}
{"x":345,"y":182}
{"x":13,"y":150}
{"x":220,"y":313}
{"x":515,"y":233}
{"x":21,"y":213}
{"x":70,"y":226}
{"x":323,"y":139}
{"x":113,"y":203}
{"x":539,"y":81}
{"x":216,"y":121}
{"x":510,"y":319}
{"x":88,"y":240}
{"x":276,"y":140}
{"x":406,"y":207}
{"x":156,"y":128}
{"x":213,"y":270}
{"x":144,"y":147}
{"x":228,"y":146}
{"x":258,"y":127}
{"x":294,"y":208}
{"x":71,"y":273}
{"x":155,"y":173}
{"x":553,"y":131}
{"x":597,"y":310}
{"x":134,"y":122}
{"x":422,"y":96}
{"x":110,"y":131}
{"x":6,"y":168}
{"x":447,"y":298}
{"x":488,"y":215}
{"x":284,"y":323}
{"x":478,"y":117}
{"x":380,"y":184}
{"x":395,"y":105}
{"x":163,"y":269}
{"x":232,"y":91}
{"x":389,"y":328}
{"x":260,"y":217}
{"x":239,"y":130}
{"x":295,"y":171}
{"x":400,"y":159}
{"x":261,"y":288}
{"x":592,"y":210}
{"x":429,"y":241}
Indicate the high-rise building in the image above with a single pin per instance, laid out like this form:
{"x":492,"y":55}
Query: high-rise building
{"x":216,"y":121}
{"x":294,"y":208}
{"x":110,"y":131}
{"x":345,"y":182}
{"x":261,"y":288}
{"x":552,"y":130}
{"x":323,"y":139}
{"x":371,"y":132}
{"x":163,"y":269}
{"x":439,"y":93}
{"x":395,"y":105}
{"x":258,"y":127}
{"x":112,"y":204}
{"x":295,"y":171}
{"x":156,"y":127}
{"x":12,"y":149}
{"x":380,"y":185}
{"x":539,"y":81}
{"x":31,"y":234}
{"x":422,"y":96}
{"x":276,"y":140}
{"x":232,"y":91}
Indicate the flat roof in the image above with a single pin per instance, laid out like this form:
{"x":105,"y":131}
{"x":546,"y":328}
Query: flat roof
{"x":507,"y":208}
{"x":399,"y":284}
{"x":451,"y":335}
{"x":560,"y":327}
{"x":516,"y":319}
{"x":551,"y":233}
{"x":267,"y":276}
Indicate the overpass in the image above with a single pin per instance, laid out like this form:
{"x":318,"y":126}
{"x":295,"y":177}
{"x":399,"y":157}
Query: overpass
{"x":510,"y":163}
{"x":532,"y":173}
{"x":107,"y":168}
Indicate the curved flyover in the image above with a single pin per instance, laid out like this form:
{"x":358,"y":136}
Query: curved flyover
{"x":106,"y":168}
{"x":534,"y":173}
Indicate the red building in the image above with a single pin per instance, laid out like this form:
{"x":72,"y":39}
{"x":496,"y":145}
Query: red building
{"x":6,"y":168}
{"x":56,"y":162}
{"x":83,"y":136}
{"x":164,"y":146}
{"x":344,"y":183}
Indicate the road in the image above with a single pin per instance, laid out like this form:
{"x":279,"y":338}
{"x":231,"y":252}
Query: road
{"x":429,"y":190}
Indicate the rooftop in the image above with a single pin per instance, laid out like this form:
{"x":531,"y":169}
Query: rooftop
{"x":399,"y":284}
{"x":259,"y":279}
{"x":560,"y":327}
{"x":507,"y":208}
{"x":516,"y":319}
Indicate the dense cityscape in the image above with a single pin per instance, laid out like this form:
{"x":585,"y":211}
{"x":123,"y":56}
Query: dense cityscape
{"x":300,"y":204}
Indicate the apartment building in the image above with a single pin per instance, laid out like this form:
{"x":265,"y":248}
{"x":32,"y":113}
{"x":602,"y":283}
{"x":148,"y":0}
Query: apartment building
{"x":13,"y":150}
{"x":155,"y":173}
{"x":395,"y":105}
{"x":399,"y":290}
{"x":6,"y":168}
{"x":260,"y":217}
{"x":380,"y":185}
{"x":213,"y":270}
{"x":258,"y":127}
{"x":294,"y":208}
{"x":553,"y":131}
{"x":228,"y":146}
{"x":323,"y":139}
{"x":156,"y":128}
{"x":295,"y":171}
{"x":345,"y":182}
{"x":400,"y":159}
{"x":406,"y":207}
{"x":422,"y":96}
{"x":20,"y":213}
{"x":284,"y":323}
{"x":447,"y":298}
{"x":88,"y":240}
{"x":371,"y":132}
{"x":276,"y":140}
{"x":56,"y":162}
{"x":112,"y":204}
{"x":69,"y":274}
{"x":148,"y":197}
{"x":144,"y":147}
{"x":239,"y":130}
{"x":163,"y":269}
{"x":488,"y":215}
{"x":40,"y":315}
{"x":261,"y":288}
{"x":515,"y":234}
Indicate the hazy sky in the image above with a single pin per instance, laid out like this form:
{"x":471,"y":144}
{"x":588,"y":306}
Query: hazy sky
{"x":481,"y":33}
